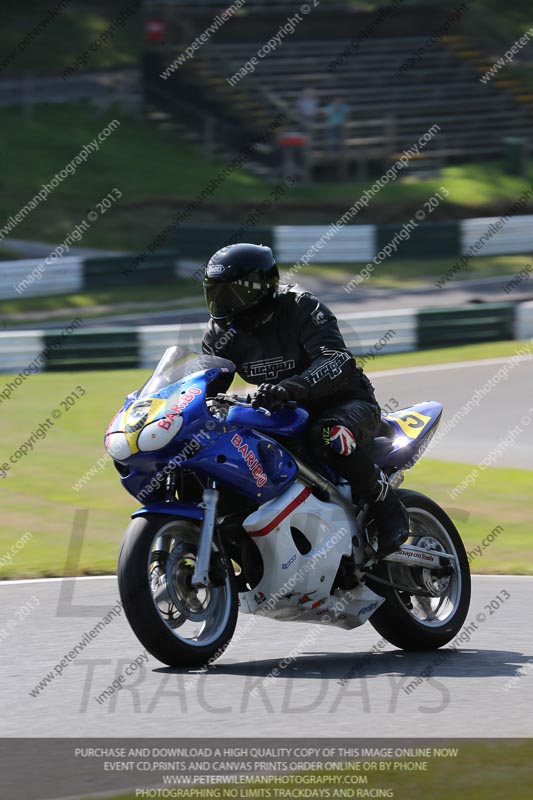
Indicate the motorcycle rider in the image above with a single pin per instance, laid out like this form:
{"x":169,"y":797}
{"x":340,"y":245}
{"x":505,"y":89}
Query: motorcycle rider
{"x":284,"y":340}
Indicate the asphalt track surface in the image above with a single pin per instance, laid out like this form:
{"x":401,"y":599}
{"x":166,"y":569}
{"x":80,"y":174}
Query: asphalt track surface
{"x":485,"y":688}
{"x":499,"y":428}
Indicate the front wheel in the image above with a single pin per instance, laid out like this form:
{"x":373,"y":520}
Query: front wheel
{"x":179,"y":624}
{"x":434,"y":617}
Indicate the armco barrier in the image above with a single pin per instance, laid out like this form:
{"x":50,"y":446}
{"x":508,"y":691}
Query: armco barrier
{"x":113,"y":348}
{"x":515,"y":236}
{"x":18,"y":349}
{"x":428,"y":240}
{"x":129,"y":270}
{"x":200,"y":241}
{"x":33,"y":277}
{"x":348,"y":245}
{"x":190,"y":245}
{"x":363,"y":331}
{"x":450,"y":326}
{"x":523,"y":327}
{"x":367,"y":335}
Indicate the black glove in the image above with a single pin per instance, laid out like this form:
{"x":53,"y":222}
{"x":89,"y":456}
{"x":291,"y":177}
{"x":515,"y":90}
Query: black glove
{"x":272,"y":397}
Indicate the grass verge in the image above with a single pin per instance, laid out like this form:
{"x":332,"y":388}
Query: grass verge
{"x":168,"y":173}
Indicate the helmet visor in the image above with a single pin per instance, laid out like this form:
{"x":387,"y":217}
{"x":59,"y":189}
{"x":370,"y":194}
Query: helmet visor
{"x":228,"y":299}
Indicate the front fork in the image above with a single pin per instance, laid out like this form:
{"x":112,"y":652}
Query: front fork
{"x":207,"y":531}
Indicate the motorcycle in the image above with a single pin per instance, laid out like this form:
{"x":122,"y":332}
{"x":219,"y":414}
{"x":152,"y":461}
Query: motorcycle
{"x":237,"y":515}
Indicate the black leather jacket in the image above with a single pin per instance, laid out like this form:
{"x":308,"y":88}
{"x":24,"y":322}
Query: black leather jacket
{"x":296,"y":341}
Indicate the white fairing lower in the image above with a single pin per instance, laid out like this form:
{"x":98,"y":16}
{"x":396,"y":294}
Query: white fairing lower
{"x":296,"y":587}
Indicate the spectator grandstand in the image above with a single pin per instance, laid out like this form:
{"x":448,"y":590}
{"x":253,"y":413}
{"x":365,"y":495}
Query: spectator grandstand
{"x":392,"y":97}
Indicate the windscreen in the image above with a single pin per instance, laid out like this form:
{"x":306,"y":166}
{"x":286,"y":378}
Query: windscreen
{"x":177,"y":363}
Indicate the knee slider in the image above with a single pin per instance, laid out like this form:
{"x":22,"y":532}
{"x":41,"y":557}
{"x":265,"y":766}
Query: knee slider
{"x":339,"y":438}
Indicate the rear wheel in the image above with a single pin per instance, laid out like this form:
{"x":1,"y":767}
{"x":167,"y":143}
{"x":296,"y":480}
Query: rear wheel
{"x":432,"y":618}
{"x":179,"y":624}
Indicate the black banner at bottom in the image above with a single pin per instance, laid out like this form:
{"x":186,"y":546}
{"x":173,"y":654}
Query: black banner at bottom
{"x":405,"y":769}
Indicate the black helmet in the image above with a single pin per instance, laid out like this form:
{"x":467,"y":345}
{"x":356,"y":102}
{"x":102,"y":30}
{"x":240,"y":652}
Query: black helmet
{"x":237,"y":278}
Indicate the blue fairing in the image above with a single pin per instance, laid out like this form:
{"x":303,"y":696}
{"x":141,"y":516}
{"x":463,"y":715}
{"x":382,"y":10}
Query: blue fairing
{"x":414,"y":428}
{"x":287,"y":422}
{"x":173,"y":509}
{"x":227,"y":451}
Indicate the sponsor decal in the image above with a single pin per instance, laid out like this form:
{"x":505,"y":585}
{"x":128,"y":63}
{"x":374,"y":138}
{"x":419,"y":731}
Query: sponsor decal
{"x":319,"y":317}
{"x":251,"y":460}
{"x":367,"y":609}
{"x":178,"y":407}
{"x":329,"y":369}
{"x":215,"y":269}
{"x":289,"y":562}
{"x":137,"y":416}
{"x":259,"y":598}
{"x":412,"y":423}
{"x":415,"y":554}
{"x":342,"y":440}
{"x":267,"y":369}
{"x":306,"y":598}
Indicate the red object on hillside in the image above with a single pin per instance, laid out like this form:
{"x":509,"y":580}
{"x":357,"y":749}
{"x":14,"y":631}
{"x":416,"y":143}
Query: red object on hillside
{"x":292,"y":140}
{"x":155,"y":31}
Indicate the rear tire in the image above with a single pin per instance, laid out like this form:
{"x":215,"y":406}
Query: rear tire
{"x":156,"y":562}
{"x":414,"y":622}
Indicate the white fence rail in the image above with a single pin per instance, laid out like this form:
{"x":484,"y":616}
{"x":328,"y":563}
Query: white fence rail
{"x":351,"y":243}
{"x":33,"y":277}
{"x":515,"y":236}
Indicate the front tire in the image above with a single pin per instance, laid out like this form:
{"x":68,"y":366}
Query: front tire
{"x":178,"y":624}
{"x":416,"y":622}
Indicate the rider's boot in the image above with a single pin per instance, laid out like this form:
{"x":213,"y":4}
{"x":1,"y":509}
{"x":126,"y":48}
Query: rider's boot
{"x":370,"y":484}
{"x":390,"y":515}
